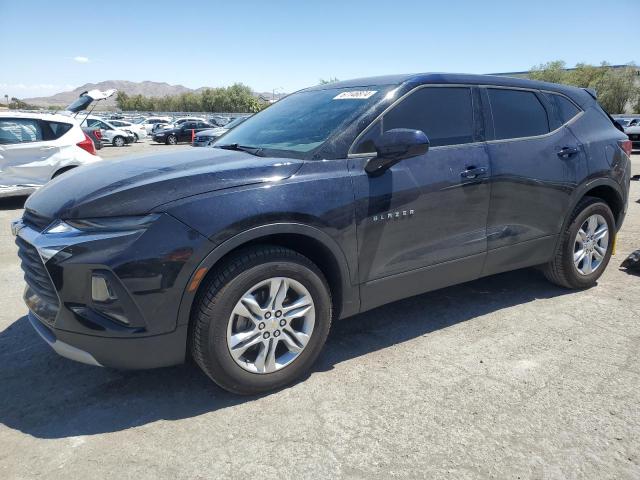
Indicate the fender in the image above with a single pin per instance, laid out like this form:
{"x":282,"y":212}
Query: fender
{"x":580,"y":192}
{"x":350,"y":294}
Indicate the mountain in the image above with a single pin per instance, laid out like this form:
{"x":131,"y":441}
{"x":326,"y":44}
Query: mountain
{"x":147,"y":89}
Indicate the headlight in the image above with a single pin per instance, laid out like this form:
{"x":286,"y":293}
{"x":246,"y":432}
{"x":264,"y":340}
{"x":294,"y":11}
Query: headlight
{"x":106,"y":224}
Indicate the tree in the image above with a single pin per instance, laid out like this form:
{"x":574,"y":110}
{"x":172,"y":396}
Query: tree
{"x":331,"y":80}
{"x":616,"y":87}
{"x":553,"y":72}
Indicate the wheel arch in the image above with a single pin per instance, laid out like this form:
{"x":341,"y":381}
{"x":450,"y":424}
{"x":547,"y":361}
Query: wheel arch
{"x":607,"y":190}
{"x":309,"y":241}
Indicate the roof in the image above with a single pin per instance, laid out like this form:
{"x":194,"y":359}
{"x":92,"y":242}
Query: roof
{"x":415,"y":79}
{"x":55,"y":117}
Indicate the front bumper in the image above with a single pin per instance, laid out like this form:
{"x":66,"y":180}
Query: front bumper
{"x":147,"y":270}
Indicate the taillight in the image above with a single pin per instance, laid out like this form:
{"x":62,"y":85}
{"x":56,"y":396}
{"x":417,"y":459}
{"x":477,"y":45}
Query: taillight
{"x":87,"y":144}
{"x":627,"y":146}
{"x":98,"y":134}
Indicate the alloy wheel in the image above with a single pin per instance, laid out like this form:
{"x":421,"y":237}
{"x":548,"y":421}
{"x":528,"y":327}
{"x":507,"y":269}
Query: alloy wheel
{"x":270,"y":325}
{"x":591,"y":244}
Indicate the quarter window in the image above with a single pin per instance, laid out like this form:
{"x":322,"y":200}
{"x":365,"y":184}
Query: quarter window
{"x":517,"y":114}
{"x":566,"y":109}
{"x":444,"y":114}
{"x":19,"y":130}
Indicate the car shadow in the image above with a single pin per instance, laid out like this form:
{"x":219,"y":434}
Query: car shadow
{"x":47,"y":396}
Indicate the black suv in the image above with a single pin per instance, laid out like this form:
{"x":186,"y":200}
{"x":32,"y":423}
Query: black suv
{"x":332,"y":201}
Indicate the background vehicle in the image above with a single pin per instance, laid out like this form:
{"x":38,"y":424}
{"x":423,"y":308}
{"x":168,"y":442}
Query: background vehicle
{"x":634,"y":135}
{"x":150,"y":122}
{"x":110,"y":134}
{"x":34,"y":148}
{"x":333,"y":201}
{"x":95,"y":135}
{"x":182,"y":133}
{"x":139,"y":132}
{"x":204,"y":138}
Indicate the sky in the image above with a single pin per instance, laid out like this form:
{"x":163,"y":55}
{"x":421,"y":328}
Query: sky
{"x":52,"y":46}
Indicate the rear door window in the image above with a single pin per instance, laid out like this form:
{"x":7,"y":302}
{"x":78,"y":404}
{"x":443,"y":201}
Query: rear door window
{"x":55,"y":130}
{"x":517,"y":114}
{"x":19,"y":130}
{"x":444,"y":114}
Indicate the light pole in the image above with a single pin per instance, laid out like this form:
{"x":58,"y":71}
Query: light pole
{"x":273,"y":94}
{"x":6,"y":97}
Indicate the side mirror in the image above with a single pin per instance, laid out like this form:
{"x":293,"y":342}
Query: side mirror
{"x":395,"y":145}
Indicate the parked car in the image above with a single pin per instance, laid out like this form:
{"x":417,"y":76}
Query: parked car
{"x":633,"y":132}
{"x":219,"y":120}
{"x":181,"y":120}
{"x":111,"y":134}
{"x":205,"y":138}
{"x":150,"y":122}
{"x":139,"y":132}
{"x":34,"y":148}
{"x":181,"y":133}
{"x":95,"y":135}
{"x":335,"y":200}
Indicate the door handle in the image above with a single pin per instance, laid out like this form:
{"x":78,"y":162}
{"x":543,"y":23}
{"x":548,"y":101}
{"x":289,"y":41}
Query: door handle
{"x":566,"y":152}
{"x":473,"y":172}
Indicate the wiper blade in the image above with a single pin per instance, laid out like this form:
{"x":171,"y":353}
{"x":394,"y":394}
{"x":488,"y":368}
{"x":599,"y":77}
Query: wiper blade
{"x":257,"y":151}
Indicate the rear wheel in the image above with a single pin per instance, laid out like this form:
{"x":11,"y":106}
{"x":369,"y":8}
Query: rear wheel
{"x":585,"y":247}
{"x":172,"y":140}
{"x":119,"y":141}
{"x":261,"y":320}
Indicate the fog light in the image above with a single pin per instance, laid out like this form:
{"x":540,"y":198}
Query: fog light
{"x":100,"y":290}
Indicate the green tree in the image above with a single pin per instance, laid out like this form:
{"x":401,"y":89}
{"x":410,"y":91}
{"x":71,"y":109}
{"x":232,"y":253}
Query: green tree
{"x":616,"y":87}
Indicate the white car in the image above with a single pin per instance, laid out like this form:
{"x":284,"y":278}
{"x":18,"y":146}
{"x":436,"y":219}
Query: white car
{"x":118,"y":137}
{"x":138,"y":130}
{"x":35,"y":147}
{"x":150,"y":122}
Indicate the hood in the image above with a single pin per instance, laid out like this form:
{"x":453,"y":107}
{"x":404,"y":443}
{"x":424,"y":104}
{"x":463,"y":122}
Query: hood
{"x":137,"y":185}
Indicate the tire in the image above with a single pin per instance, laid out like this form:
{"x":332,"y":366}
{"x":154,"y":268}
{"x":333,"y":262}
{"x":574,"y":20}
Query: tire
{"x":172,"y":140}
{"x":213,"y":318}
{"x":61,"y":171}
{"x":119,"y":141}
{"x":562,"y":270}
{"x":135,"y":138}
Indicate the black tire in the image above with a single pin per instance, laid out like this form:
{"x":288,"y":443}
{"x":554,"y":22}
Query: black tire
{"x":135,"y":138}
{"x":119,"y":141}
{"x":561,"y":269}
{"x":217,"y":298}
{"x":61,"y":171}
{"x":172,"y":140}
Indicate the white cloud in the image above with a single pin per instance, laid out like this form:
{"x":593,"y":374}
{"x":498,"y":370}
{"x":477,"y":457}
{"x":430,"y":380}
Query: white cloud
{"x":81,"y":59}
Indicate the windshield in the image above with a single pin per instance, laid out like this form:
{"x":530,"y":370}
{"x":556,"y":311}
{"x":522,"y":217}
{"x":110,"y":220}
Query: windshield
{"x":303,"y":121}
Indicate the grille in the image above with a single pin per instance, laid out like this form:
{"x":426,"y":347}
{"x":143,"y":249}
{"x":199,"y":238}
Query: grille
{"x":35,"y":220}
{"x":634,"y":137}
{"x":38,"y":280}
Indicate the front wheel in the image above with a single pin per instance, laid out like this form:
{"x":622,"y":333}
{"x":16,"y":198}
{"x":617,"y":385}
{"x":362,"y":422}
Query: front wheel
{"x":172,"y":140}
{"x":261,"y":320}
{"x":585,"y":247}
{"x":119,"y":141}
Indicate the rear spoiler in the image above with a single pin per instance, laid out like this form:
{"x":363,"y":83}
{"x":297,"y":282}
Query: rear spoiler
{"x":594,"y":95}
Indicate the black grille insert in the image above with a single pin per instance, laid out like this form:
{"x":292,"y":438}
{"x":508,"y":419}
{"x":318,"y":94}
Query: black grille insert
{"x":38,"y":280}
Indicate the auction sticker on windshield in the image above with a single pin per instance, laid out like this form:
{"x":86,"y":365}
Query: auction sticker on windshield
{"x":355,"y":95}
